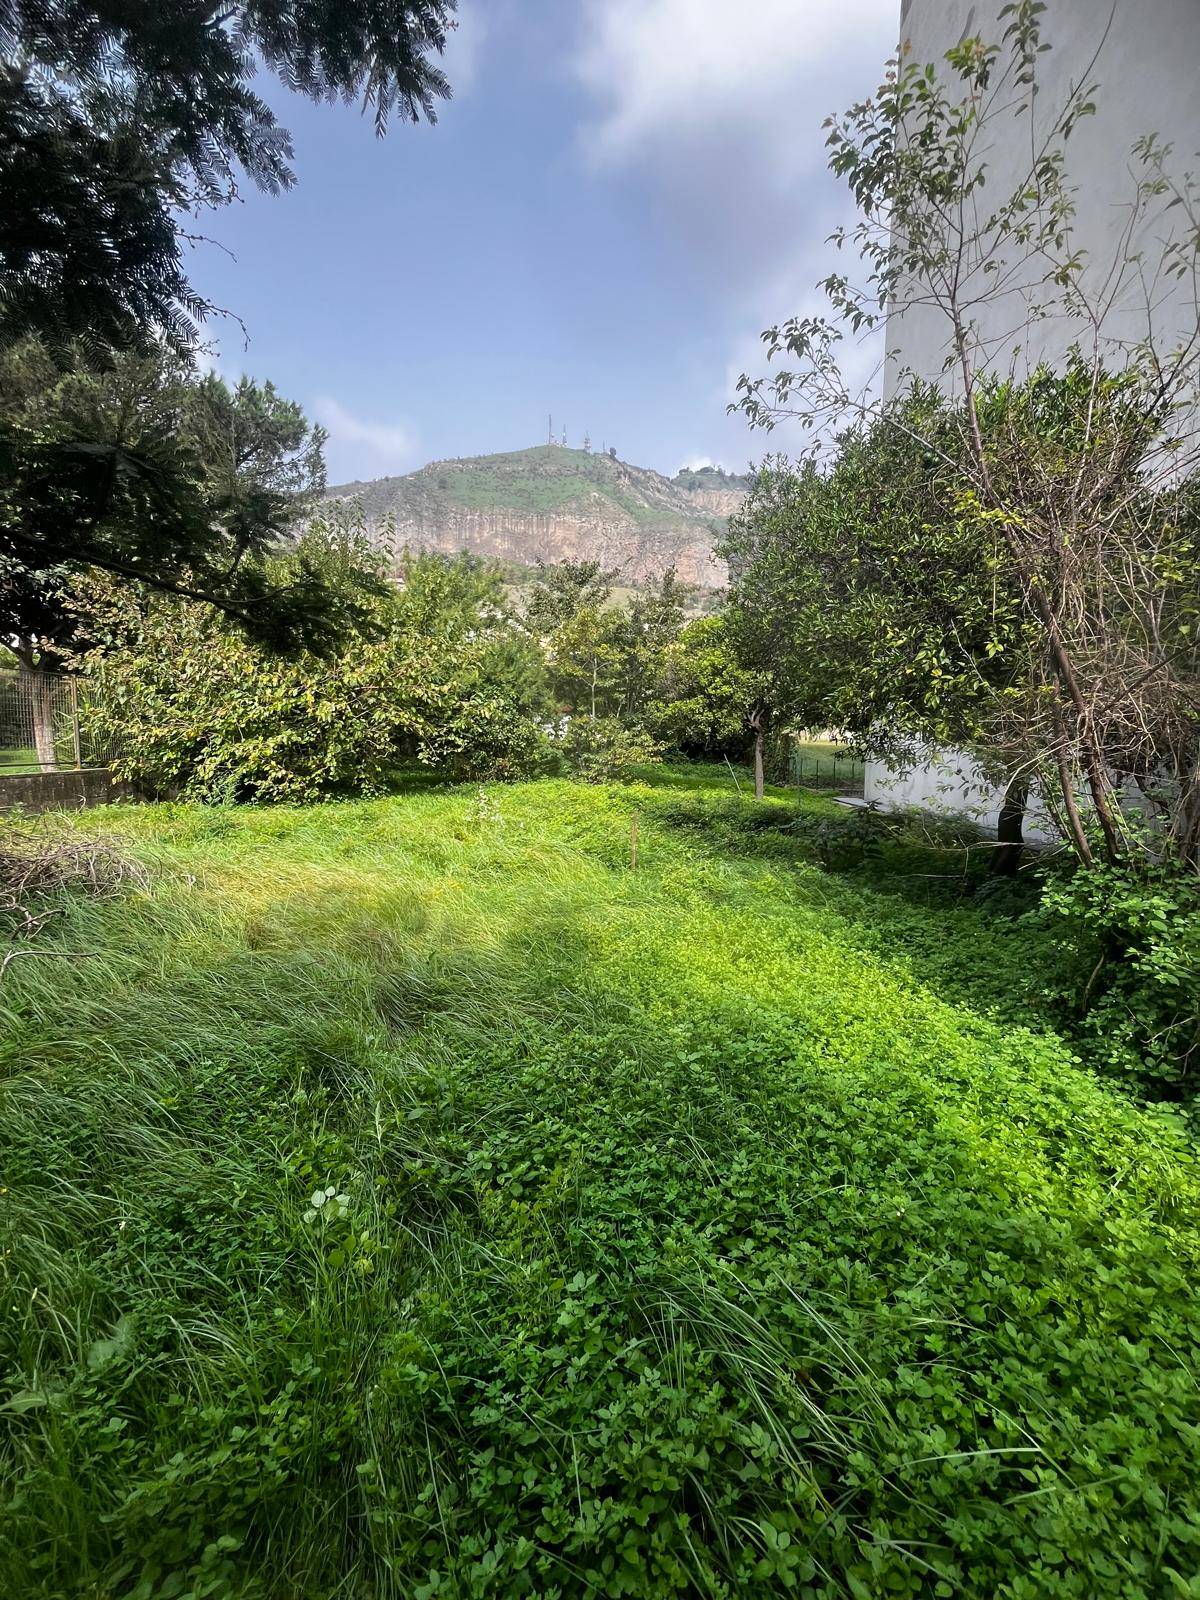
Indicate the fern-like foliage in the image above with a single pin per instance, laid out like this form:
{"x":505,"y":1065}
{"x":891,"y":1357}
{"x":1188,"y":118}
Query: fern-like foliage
{"x":118,"y":116}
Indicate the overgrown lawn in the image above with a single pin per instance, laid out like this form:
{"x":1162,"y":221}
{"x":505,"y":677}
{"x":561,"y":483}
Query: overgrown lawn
{"x":408,"y":1199}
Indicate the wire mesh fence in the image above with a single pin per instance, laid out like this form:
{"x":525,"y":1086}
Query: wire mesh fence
{"x":47,"y":724}
{"x":827,"y":769}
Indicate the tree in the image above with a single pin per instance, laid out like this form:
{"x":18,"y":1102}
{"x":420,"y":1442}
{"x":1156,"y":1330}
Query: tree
{"x":703,"y":697}
{"x":884,"y":613}
{"x":640,"y":636}
{"x":563,"y":588}
{"x":567,"y":610}
{"x":584,"y":658}
{"x":190,"y":704}
{"x":761,"y":628}
{"x":1077,"y":481}
{"x":253,"y":442}
{"x":118,"y":119}
{"x":603,"y":658}
{"x":141,"y":473}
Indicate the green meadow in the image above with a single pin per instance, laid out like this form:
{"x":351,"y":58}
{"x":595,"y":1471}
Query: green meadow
{"x":413,"y":1198}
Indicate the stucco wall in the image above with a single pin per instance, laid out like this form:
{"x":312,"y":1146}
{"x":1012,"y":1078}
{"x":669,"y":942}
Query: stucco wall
{"x":949,"y":783}
{"x":1145,"y":60}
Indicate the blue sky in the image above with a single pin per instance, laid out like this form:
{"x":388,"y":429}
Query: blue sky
{"x":621,"y":194}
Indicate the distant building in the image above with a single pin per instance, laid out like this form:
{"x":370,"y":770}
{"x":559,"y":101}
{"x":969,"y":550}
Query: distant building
{"x":1144,"y":55}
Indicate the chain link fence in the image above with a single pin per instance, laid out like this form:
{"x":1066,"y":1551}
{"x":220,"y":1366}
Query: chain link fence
{"x":46,"y":724}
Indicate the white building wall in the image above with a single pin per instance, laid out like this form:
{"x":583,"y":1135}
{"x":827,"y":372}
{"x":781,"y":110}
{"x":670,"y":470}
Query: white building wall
{"x":948,"y":783}
{"x":1144,"y":58}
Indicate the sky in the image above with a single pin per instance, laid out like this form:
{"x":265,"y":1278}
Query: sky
{"x":620,"y":195}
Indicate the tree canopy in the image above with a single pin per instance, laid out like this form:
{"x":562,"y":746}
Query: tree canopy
{"x":442,"y":678}
{"x":117,"y":119}
{"x":151,"y":476}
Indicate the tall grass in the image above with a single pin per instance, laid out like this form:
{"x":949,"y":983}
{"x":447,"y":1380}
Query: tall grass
{"x":684,"y":1235}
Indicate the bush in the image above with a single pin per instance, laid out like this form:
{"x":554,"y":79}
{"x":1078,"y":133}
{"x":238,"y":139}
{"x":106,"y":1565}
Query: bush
{"x":703,"y":696}
{"x":1130,"y":985}
{"x":197,"y":711}
{"x":193,"y":708}
{"x":603,"y":750}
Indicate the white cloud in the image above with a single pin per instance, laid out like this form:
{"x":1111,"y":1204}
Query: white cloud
{"x":792,"y":289}
{"x":719,"y":107}
{"x":361,"y":448}
{"x":671,"y":70}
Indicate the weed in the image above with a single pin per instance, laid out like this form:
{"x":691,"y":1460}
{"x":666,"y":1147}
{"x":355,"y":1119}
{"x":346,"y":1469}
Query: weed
{"x":399,"y":1204}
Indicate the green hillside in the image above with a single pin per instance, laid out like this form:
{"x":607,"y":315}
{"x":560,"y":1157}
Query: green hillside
{"x":540,"y":481}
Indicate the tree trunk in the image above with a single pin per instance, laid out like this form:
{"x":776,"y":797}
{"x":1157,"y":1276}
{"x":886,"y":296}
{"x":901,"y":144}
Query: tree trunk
{"x":757,"y":725}
{"x":39,"y":686}
{"x":1067,"y":785}
{"x":1187,"y":830}
{"x":1010,"y":842}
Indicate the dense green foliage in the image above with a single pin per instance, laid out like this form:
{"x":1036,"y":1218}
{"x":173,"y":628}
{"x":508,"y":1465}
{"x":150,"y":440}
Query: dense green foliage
{"x":886,"y":613}
{"x":407,"y":1199}
{"x":891,"y":601}
{"x":713,"y":478}
{"x":604,"y":659}
{"x":703,"y":696}
{"x":117,"y":119}
{"x":441,"y":677}
{"x":604,"y":749}
{"x":145,"y":472}
{"x":1043,"y":583}
{"x":1131,"y":973}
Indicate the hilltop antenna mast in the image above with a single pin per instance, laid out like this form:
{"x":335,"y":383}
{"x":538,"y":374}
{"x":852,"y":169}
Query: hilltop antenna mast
{"x":550,"y":428}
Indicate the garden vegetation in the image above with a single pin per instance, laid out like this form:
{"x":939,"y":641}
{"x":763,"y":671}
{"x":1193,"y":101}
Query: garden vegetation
{"x":407,"y":1198}
{"x":417,"y":1187}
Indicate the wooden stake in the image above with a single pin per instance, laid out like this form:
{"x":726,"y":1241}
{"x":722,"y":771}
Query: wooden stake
{"x":78,"y":749}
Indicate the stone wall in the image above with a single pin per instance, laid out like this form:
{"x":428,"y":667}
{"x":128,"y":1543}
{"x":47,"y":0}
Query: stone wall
{"x":55,"y":791}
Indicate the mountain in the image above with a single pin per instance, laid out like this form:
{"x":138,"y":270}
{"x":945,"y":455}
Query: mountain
{"x":554,"y":504}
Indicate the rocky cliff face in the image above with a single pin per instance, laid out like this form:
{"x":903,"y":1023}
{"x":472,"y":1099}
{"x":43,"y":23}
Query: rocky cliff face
{"x":554,"y":504}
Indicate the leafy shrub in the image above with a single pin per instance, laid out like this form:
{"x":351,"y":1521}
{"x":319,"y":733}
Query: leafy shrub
{"x":849,"y":840}
{"x":195,"y":710}
{"x":1129,"y":983}
{"x":192,"y":708}
{"x":603,"y":750}
{"x":703,"y":696}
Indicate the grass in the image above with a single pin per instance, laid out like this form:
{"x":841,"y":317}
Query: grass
{"x":728,"y":1227}
{"x":18,"y":758}
{"x":822,"y":763}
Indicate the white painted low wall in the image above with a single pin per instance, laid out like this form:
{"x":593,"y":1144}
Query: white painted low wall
{"x":949,"y":783}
